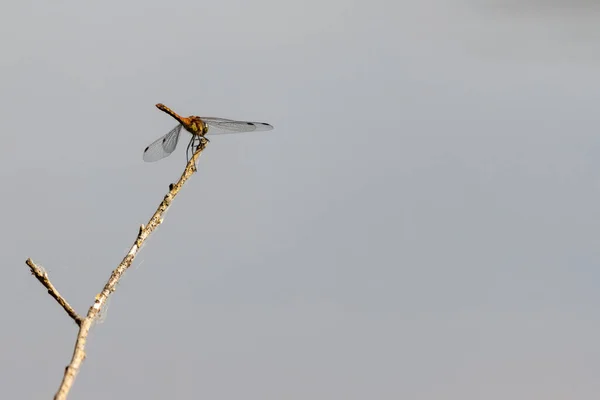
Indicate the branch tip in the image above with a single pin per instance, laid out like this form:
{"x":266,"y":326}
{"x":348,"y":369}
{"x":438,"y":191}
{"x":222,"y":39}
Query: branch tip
{"x":42,"y":276}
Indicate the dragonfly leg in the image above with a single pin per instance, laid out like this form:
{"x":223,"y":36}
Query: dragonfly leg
{"x":190,"y":146}
{"x":194,"y":144}
{"x":199,"y":140}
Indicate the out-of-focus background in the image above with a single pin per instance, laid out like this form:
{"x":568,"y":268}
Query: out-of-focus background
{"x":422,"y":223}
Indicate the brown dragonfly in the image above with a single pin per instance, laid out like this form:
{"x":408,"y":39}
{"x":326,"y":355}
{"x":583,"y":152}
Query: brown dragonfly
{"x":198,"y":127}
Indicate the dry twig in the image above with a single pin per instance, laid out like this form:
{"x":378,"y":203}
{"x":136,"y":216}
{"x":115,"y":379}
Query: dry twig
{"x":42,"y":276}
{"x":86,"y":323}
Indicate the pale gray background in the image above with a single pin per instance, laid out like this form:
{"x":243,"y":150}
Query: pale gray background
{"x":423,"y":223}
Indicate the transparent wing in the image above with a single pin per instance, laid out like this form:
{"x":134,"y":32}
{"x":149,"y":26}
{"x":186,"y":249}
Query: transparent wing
{"x":217,"y":126}
{"x":163,"y":146}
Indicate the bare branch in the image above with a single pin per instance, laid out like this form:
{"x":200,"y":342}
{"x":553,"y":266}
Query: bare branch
{"x":42,"y":276}
{"x":145,"y":230}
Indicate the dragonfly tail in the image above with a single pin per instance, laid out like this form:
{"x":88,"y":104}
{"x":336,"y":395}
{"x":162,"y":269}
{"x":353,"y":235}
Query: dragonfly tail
{"x":172,"y":113}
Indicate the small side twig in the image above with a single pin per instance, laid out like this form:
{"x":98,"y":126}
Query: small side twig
{"x":145,"y":230}
{"x":42,"y":276}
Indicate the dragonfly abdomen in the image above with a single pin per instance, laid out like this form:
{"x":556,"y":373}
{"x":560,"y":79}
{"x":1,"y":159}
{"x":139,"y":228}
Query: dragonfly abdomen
{"x":172,"y":113}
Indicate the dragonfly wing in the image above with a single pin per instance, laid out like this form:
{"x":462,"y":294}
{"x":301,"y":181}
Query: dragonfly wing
{"x":163,"y":146}
{"x":217,"y":126}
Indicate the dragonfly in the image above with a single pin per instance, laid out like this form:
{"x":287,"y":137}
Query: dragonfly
{"x":198,"y":127}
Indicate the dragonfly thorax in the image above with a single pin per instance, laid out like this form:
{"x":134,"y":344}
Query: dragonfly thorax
{"x":195,"y":126}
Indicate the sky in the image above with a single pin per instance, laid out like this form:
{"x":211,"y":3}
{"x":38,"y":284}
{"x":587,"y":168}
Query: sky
{"x":422,"y":223}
